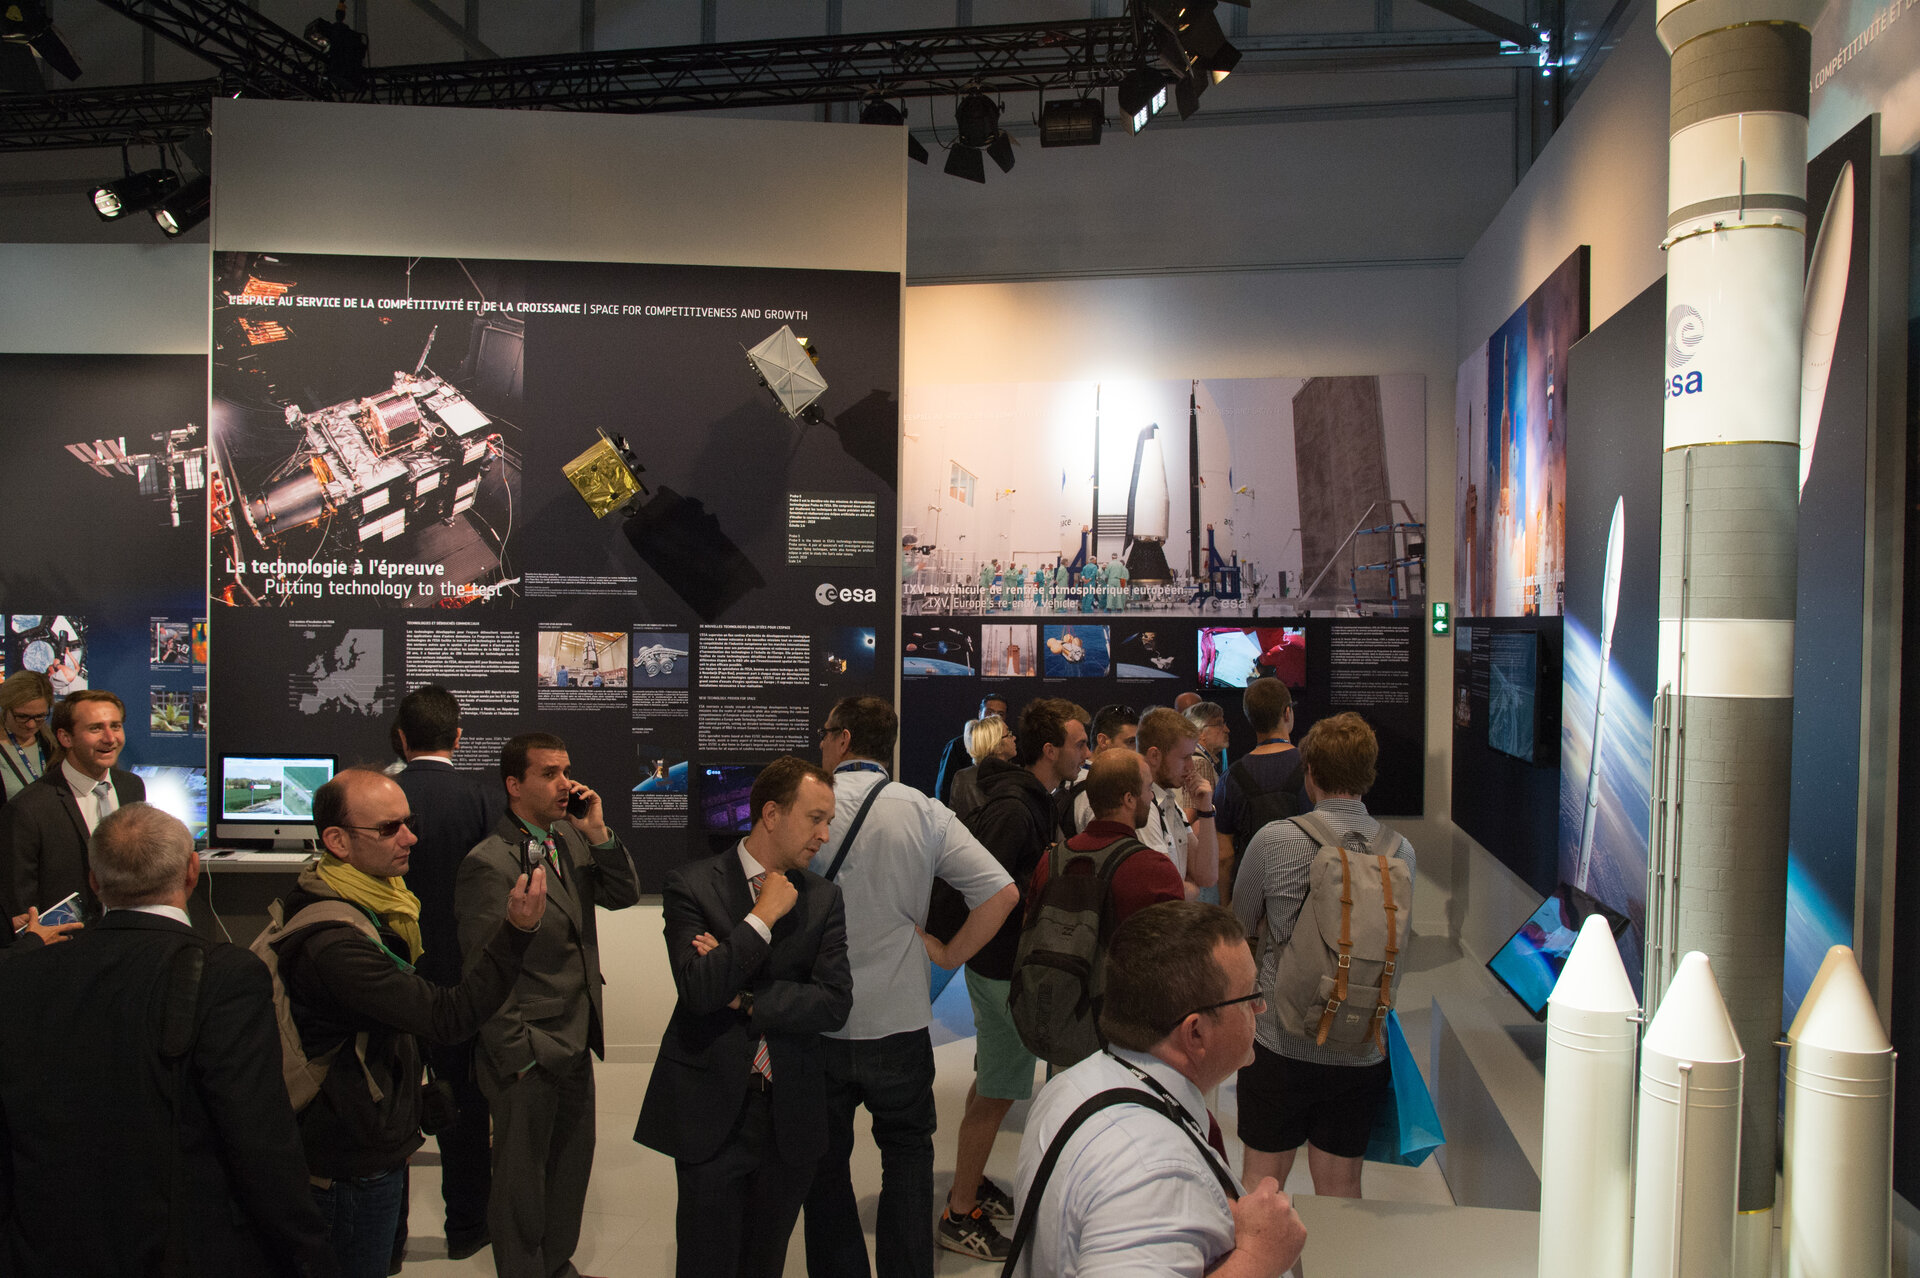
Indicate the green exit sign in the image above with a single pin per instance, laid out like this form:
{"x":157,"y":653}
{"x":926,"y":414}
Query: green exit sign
{"x":1442,"y":619}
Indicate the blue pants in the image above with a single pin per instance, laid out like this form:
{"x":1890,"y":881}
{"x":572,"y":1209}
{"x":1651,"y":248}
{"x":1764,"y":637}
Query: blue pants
{"x":362,"y":1215}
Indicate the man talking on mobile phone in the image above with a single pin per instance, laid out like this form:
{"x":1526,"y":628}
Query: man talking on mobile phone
{"x":533,"y":1061}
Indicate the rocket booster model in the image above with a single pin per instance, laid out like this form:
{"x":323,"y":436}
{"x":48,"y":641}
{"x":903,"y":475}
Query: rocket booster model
{"x":1689,"y":1141}
{"x":1609,"y":612}
{"x":1837,"y":1206}
{"x":1586,"y":1154}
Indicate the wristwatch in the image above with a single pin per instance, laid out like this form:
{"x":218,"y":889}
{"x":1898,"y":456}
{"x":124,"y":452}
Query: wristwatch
{"x":746,"y":1001}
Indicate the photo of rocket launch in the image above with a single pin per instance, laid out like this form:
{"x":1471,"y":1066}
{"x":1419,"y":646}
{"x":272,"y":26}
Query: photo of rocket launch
{"x":1285,"y":496}
{"x":1510,"y":473}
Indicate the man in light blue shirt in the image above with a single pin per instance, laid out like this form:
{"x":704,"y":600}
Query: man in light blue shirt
{"x":1144,"y":1189}
{"x":883,"y":1057}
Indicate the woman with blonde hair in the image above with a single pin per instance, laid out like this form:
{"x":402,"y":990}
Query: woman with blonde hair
{"x":987,"y":738}
{"x":26,"y":745}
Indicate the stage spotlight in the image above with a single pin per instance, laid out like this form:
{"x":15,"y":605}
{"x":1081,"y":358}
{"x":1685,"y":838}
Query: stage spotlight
{"x":343,"y":50}
{"x":1143,"y":95}
{"x":965,"y":162}
{"x":1071,"y":122}
{"x":1191,"y":45}
{"x":881,"y":111}
{"x":978,"y":119}
{"x":186,"y":207}
{"x":134,"y":193}
{"x":28,"y":22}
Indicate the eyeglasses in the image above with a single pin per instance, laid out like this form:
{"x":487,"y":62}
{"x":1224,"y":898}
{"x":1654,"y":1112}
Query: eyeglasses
{"x":828,"y":730}
{"x":388,"y":829}
{"x":28,"y":718}
{"x":1256,"y":998}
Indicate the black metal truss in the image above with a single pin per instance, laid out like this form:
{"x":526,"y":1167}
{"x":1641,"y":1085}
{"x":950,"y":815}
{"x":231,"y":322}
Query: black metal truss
{"x":75,"y":118}
{"x":244,"y":47}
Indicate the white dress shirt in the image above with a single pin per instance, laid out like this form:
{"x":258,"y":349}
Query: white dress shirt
{"x":751,"y":867}
{"x":94,"y":803}
{"x":1166,"y":829}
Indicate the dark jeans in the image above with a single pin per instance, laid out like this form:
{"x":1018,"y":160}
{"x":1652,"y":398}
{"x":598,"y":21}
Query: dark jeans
{"x":893,"y":1078}
{"x":361,"y":1217}
{"x":466,"y":1158}
{"x":737,"y":1209}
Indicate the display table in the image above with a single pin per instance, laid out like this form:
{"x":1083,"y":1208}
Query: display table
{"x":236,"y":887}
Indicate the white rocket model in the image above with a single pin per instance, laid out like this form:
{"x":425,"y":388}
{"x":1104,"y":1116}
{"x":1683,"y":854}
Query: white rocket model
{"x":1689,"y":1142}
{"x":1826,"y":297}
{"x":1837,"y":1207}
{"x":1147,"y":502}
{"x":1586,"y":1153}
{"x":1609,"y":611}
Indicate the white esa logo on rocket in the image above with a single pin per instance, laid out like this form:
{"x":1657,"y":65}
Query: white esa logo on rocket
{"x":1685,"y":332}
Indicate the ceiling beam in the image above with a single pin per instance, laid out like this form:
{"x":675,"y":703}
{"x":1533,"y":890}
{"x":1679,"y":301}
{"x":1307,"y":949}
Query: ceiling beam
{"x":244,"y":47}
{"x":1487,"y":20}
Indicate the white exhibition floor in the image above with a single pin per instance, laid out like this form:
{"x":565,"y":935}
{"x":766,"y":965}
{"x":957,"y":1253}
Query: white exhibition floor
{"x":629,"y":1225}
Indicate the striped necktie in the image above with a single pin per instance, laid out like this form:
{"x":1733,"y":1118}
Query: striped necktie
{"x":762,"y":1061}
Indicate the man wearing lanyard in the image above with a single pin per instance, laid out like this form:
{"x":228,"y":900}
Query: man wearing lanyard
{"x":1167,"y":739}
{"x":534,"y":1062}
{"x":1149,"y":1183}
{"x":883,"y":1057}
{"x":43,"y":832}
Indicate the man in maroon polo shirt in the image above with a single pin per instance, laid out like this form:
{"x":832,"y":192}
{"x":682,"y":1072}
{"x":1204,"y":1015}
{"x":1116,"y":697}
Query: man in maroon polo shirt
{"x":1119,"y":788}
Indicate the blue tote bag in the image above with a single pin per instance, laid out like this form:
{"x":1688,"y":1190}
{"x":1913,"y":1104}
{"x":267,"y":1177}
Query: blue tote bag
{"x":1408,"y":1128}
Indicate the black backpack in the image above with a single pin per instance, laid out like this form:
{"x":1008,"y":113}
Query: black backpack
{"x":1288,"y":799}
{"x":1059,"y":970}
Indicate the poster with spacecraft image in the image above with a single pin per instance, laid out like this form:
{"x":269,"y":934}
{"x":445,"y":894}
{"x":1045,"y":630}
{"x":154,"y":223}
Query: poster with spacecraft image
{"x":1831,"y":598}
{"x":561,"y":490}
{"x":1165,"y":498}
{"x":104,"y":535}
{"x":1510,"y":459}
{"x":1614,"y":430}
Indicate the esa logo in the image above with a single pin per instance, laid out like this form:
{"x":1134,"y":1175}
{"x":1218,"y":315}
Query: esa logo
{"x":826,"y":594}
{"x":1691,"y":384}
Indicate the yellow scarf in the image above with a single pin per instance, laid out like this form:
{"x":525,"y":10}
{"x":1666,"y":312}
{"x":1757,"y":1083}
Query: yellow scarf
{"x":398,"y":908}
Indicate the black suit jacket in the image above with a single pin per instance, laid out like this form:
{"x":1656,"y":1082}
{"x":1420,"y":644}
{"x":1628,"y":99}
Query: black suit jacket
{"x":801,"y":986}
{"x":43,"y":842}
{"x":86,"y":1128}
{"x":457,"y":810}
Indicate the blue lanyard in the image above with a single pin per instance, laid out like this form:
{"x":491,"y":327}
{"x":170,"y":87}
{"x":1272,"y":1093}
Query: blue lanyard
{"x":861,"y":766}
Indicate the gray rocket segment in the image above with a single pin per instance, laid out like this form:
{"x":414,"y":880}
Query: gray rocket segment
{"x":1586,"y":1151}
{"x":1743,"y":516}
{"x":1737,"y":70}
{"x":1689,"y":1132}
{"x":1837,"y":1204}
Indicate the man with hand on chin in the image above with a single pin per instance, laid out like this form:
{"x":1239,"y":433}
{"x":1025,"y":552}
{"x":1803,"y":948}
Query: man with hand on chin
{"x":534,"y":1063}
{"x":758,"y":947}
{"x":44,"y":829}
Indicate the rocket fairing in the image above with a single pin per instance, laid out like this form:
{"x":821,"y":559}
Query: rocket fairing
{"x":1686,"y":1183}
{"x":1837,"y":1206}
{"x":1586,"y":1152}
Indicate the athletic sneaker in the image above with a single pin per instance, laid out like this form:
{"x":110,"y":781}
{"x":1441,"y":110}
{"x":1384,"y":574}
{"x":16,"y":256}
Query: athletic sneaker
{"x":972,"y":1235}
{"x":997,"y":1201}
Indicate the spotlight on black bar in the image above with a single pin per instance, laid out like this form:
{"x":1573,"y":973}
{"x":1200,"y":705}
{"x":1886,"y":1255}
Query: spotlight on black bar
{"x":1071,"y":122}
{"x":881,"y":111}
{"x":186,"y":208}
{"x":343,"y":51}
{"x":134,"y":193}
{"x":978,"y":119}
{"x":977,"y":130}
{"x":27,"y":22}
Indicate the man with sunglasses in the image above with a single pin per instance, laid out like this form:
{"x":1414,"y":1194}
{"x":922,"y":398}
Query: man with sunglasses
{"x":1146,"y":1187}
{"x":535,"y":1061}
{"x":360,"y":998}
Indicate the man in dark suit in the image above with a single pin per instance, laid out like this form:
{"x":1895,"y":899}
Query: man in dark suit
{"x":758,"y":947}
{"x":456,"y":811}
{"x":144,"y":1124}
{"x":535,"y":1055}
{"x":43,"y":831}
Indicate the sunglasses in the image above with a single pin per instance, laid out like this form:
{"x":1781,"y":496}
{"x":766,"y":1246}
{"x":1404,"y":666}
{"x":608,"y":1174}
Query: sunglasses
{"x":388,"y":829}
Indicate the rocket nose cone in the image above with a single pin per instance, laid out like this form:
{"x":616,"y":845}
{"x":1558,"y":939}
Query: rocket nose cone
{"x":1692,"y":1023}
{"x":1594,"y":979}
{"x":1838,"y":1014}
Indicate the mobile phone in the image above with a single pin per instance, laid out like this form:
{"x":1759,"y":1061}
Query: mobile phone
{"x":578,"y":804}
{"x":67,"y":911}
